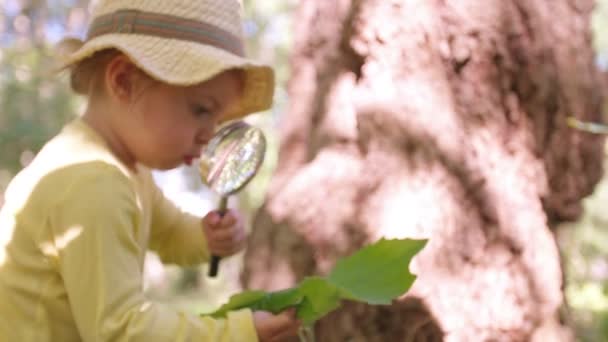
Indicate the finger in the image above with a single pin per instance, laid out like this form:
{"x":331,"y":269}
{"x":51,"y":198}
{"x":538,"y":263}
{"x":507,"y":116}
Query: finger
{"x":285,"y":335}
{"x":227,"y":240}
{"x":237,"y":238}
{"x":286,"y":332}
{"x":224,"y":215}
{"x":216,"y":219}
{"x":292,"y":313}
{"x":221,"y":250}
{"x":212,"y":218}
{"x":281,"y":322}
{"x":225,"y":234}
{"x":229,"y":219}
{"x":228,"y":249}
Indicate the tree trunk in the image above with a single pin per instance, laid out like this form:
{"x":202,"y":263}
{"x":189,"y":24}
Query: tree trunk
{"x":443,"y":120}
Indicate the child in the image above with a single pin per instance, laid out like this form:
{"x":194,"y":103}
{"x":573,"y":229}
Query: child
{"x":159,"y":76}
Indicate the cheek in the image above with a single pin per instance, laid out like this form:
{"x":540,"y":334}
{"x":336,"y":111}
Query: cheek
{"x":154,"y":110}
{"x":182,"y":132}
{"x":158,"y":117}
{"x":176,"y":136}
{"x":168,"y":122}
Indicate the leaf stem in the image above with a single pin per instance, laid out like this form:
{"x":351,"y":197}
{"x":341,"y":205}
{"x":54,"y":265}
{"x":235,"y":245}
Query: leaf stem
{"x":306,"y":334}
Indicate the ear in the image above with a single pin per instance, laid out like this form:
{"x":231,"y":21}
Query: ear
{"x":121,"y":79}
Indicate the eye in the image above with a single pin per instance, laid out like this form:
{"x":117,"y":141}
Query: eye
{"x":199,"y":110}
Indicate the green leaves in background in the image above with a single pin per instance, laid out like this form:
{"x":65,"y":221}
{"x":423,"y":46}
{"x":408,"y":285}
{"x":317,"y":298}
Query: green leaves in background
{"x":376,"y":274}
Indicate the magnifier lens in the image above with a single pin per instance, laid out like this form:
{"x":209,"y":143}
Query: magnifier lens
{"x":235,"y":160}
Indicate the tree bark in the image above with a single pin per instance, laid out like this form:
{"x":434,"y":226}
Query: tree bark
{"x":443,"y":120}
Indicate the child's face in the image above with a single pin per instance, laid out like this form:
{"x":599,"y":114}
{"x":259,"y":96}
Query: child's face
{"x":170,"y":125}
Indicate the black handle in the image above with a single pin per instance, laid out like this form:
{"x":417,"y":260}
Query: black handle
{"x":214,"y":264}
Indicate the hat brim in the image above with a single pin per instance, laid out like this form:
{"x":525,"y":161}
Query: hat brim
{"x":184,"y":63}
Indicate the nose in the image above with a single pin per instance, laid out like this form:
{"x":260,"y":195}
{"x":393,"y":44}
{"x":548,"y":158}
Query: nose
{"x":204,"y":134}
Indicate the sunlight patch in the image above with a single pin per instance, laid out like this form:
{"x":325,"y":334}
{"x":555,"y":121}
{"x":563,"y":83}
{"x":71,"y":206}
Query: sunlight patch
{"x":51,"y":248}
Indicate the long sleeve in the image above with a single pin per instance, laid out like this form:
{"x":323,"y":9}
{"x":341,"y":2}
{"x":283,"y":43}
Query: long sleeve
{"x":96,"y":228}
{"x":176,"y":236}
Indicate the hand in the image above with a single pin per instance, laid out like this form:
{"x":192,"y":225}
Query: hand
{"x":276,"y":328}
{"x":225,"y":235}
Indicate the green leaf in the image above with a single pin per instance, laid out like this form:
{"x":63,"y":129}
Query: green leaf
{"x":278,"y":301}
{"x":245,"y":299}
{"x":319,"y":298}
{"x":378,"y":273}
{"x":274,"y":302}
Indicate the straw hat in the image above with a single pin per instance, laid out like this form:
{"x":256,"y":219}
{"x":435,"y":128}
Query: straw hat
{"x":180,"y":42}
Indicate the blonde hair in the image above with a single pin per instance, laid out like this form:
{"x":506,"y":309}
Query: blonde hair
{"x":84,"y":73}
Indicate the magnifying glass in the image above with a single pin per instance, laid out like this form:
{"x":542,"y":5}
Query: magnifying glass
{"x":231,"y":159}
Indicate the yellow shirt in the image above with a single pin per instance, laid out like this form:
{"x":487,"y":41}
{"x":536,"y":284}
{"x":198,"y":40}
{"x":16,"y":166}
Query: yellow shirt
{"x":73,"y":235}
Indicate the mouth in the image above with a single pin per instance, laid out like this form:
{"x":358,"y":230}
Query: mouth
{"x":189,"y":159}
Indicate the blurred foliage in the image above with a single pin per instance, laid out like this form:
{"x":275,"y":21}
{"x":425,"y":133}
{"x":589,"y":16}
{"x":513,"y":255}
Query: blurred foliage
{"x":32,"y":107}
{"x":34,"y":101}
{"x":584,"y":244}
{"x":584,"y":247}
{"x":599,"y":25}
{"x":269,"y":32}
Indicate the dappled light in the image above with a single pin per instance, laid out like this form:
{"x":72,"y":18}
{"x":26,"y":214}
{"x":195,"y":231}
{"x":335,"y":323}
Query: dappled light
{"x":6,"y":234}
{"x":52,"y":249}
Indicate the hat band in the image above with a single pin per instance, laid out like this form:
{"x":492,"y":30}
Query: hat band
{"x":165,"y":26}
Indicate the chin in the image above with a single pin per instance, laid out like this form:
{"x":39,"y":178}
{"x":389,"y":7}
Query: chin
{"x":166,"y":167}
{"x":163,"y":166}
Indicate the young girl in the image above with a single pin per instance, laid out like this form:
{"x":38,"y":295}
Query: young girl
{"x":159,"y":76}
